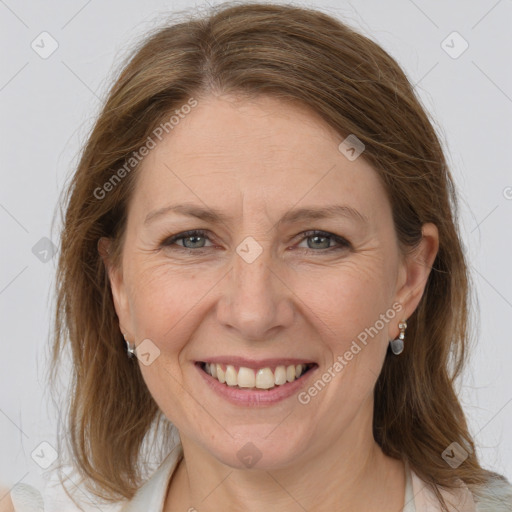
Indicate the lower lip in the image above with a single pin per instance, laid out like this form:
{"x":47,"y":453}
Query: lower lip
{"x":255,"y":397}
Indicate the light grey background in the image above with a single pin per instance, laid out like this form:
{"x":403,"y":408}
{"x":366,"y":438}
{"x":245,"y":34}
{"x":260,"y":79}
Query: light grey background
{"x":48,"y":105}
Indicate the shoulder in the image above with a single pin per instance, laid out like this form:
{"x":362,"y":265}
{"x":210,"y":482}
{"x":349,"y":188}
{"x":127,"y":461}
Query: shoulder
{"x":495,"y":496}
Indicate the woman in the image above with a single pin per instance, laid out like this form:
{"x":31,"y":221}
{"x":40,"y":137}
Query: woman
{"x":260,"y":254}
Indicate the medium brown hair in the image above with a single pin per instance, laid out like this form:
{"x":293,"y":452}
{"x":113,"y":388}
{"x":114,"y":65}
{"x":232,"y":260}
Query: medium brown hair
{"x":293,"y":54}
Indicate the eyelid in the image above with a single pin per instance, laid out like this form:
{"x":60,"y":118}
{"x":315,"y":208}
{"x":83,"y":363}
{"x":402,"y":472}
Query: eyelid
{"x":169,"y":241}
{"x":341,"y":241}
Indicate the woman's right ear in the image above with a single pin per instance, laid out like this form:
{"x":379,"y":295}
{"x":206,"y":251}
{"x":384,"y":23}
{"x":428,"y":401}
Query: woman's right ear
{"x":115,"y":277}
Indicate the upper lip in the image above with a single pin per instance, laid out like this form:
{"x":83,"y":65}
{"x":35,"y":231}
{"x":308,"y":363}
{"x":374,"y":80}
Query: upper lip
{"x":256,"y":363}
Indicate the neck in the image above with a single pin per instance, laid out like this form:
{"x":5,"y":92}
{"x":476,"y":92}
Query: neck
{"x":353,"y":474}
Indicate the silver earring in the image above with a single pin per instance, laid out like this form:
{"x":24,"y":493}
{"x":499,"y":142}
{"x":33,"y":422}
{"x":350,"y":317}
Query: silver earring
{"x":397,"y":345}
{"x":130,"y":349}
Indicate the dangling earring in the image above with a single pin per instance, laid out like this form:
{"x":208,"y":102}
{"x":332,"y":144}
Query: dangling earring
{"x":397,"y":345}
{"x":130,"y":349}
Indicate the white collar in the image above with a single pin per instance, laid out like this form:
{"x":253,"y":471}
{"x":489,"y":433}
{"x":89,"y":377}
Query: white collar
{"x":151,"y":495}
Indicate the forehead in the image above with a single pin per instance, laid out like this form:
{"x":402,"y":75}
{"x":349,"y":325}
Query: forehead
{"x":260,"y":154}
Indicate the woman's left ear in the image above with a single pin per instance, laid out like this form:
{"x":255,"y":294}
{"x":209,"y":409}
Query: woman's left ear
{"x":416,"y":268}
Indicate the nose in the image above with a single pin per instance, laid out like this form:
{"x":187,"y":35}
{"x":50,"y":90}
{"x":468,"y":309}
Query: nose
{"x":256,"y":301}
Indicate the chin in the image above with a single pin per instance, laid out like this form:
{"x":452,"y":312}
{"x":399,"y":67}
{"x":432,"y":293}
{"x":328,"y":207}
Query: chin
{"x":259,"y":447}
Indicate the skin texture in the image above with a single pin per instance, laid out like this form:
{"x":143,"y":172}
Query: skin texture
{"x":256,"y":160}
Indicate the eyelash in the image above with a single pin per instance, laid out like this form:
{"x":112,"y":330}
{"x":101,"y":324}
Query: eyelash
{"x":168,"y":242}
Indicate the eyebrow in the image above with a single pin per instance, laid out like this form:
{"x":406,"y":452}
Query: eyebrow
{"x":216,"y":216}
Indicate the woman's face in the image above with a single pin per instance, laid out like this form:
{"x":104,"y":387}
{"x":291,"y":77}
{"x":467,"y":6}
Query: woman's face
{"x":258,"y":289}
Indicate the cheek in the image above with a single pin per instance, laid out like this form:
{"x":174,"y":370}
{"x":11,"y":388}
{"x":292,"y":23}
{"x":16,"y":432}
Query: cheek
{"x":164,"y":308}
{"x":353,"y":307}
{"x":161,"y":298}
{"x":348,"y":299}
{"x":352,"y":314}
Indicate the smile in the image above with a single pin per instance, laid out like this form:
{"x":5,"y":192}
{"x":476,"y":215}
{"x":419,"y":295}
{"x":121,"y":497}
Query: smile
{"x":267,"y":377}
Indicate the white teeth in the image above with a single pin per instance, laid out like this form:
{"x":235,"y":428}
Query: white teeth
{"x":290,"y":373}
{"x":246,"y":378}
{"x":280,"y":375}
{"x":221,"y":376}
{"x":231,"y":376}
{"x":263,"y":378}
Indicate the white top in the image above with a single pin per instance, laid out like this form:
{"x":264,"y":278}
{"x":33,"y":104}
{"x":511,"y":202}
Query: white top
{"x":151,"y":495}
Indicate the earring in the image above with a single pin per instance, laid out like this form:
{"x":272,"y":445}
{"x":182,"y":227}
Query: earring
{"x":397,"y":345}
{"x":130,"y":349}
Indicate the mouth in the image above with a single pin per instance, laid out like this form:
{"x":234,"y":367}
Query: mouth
{"x":264,"y":378}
